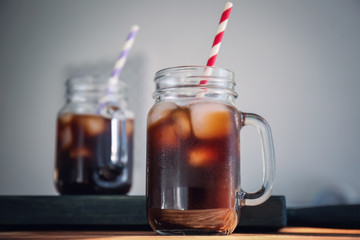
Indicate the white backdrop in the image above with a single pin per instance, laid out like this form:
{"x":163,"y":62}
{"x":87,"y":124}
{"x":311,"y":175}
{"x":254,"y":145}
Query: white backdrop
{"x":297,"y":63}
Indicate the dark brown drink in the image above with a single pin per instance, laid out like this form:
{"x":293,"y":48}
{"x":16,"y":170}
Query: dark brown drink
{"x":193,"y":163}
{"x":193,"y":153}
{"x":83,"y":156}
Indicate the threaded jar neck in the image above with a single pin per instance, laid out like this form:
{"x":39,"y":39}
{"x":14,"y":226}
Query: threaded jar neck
{"x":195,"y":82}
{"x":92,"y":88}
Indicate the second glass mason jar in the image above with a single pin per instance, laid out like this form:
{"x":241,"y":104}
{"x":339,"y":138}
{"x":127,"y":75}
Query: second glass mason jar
{"x":94,"y":138}
{"x":193,"y":153}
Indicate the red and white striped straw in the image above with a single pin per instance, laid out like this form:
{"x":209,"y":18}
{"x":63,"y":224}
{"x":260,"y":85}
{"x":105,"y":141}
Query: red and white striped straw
{"x":219,"y":35}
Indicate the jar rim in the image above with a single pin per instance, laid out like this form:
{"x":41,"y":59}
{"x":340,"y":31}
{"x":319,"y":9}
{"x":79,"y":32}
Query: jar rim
{"x":218,"y":72}
{"x":93,"y":83}
{"x":193,"y":80}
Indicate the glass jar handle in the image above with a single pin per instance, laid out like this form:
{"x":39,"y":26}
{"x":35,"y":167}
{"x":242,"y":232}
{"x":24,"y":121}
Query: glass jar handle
{"x":118,"y":124}
{"x":268,"y":160}
{"x":118,"y":144}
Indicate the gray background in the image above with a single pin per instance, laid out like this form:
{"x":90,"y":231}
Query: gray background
{"x":297,"y":63}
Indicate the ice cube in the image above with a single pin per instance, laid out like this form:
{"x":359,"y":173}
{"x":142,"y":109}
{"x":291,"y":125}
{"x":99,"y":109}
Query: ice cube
{"x":65,"y":118}
{"x":210,"y":120}
{"x":168,"y":134}
{"x":65,"y":137}
{"x":182,"y":123}
{"x":202,"y":156}
{"x":160,"y":111}
{"x":166,"y":137}
{"x":129,"y":127}
{"x":93,"y":125}
{"x":80,"y":152}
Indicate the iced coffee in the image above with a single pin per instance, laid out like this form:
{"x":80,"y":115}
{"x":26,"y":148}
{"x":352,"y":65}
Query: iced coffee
{"x":193,"y":153}
{"x":193,"y":157}
{"x":94,"y":138}
{"x":83,"y":155}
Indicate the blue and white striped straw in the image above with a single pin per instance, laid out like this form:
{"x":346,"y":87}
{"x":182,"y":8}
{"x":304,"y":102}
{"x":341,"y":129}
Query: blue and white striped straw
{"x":123,"y":55}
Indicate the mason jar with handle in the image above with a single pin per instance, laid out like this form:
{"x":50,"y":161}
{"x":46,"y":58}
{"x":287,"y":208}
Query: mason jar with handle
{"x":193,"y":153}
{"x":94,"y":138}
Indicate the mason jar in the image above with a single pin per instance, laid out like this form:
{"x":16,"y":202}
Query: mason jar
{"x":94,"y":138}
{"x":193,"y":153}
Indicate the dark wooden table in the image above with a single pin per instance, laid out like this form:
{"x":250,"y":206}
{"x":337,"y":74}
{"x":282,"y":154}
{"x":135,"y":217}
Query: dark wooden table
{"x":124,"y":217}
{"x":284,"y":233}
